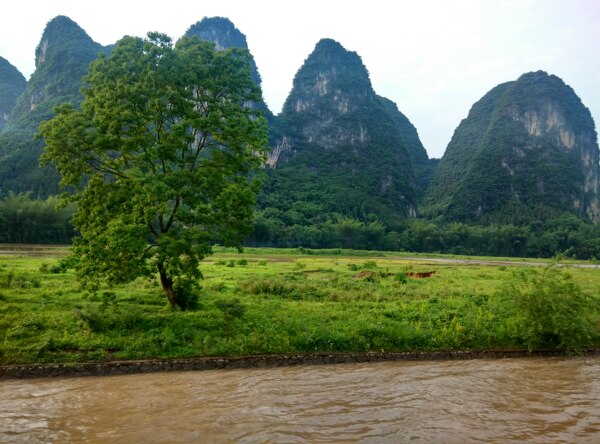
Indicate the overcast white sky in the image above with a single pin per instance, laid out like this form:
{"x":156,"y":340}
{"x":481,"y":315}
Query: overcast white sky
{"x":434,"y":58}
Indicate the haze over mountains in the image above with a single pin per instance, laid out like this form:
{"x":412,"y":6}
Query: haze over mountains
{"x":528,"y":148}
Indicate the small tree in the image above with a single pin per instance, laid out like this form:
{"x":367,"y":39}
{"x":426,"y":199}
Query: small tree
{"x":164,"y":156}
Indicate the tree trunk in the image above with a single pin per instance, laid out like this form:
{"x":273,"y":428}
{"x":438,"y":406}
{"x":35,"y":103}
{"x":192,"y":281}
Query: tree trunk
{"x":167,"y":285}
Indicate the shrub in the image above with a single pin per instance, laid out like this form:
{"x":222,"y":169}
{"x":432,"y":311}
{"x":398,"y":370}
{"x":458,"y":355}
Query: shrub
{"x":186,"y":293}
{"x":232,"y":309}
{"x":369,"y":265}
{"x":550,"y":309}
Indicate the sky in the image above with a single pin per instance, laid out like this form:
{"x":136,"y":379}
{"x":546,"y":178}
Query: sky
{"x":433,"y":58}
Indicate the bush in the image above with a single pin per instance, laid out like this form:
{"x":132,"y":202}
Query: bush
{"x":550,"y":309}
{"x":186,"y":293}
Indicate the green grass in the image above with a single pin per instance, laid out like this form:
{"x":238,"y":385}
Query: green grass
{"x":290,"y":301}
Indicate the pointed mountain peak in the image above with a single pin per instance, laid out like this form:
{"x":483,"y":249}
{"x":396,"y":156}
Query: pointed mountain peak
{"x":331,"y":52}
{"x":61,"y":31}
{"x":219,"y":30}
{"x":331,"y":47}
{"x":223,"y":33}
{"x":330,"y":74}
{"x":538,"y":76}
{"x":61,"y":58}
{"x":527,"y":149}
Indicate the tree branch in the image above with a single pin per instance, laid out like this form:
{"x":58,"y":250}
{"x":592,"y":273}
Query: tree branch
{"x":172,"y":217}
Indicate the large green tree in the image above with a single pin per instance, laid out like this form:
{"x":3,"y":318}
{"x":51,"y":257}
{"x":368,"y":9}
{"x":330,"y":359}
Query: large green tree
{"x":165,"y":157}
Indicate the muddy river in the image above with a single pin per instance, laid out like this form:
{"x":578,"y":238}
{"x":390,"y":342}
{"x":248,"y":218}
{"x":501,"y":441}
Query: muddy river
{"x":533,"y":400}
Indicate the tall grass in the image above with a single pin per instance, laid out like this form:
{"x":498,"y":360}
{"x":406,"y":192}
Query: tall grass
{"x":264,"y":302}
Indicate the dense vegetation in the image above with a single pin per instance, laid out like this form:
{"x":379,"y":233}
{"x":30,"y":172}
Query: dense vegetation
{"x":24,"y":220}
{"x":27,"y":220}
{"x":304,"y":226}
{"x":288,"y":302}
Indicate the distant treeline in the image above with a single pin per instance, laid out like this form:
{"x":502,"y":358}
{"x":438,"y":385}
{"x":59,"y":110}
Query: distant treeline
{"x":31,"y":221}
{"x":564,"y":235}
{"x":27,"y":220}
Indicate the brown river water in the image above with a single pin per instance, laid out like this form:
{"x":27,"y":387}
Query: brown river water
{"x":526,"y":400}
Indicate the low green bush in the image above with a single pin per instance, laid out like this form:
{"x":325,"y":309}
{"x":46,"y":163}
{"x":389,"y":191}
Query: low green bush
{"x":550,"y":309}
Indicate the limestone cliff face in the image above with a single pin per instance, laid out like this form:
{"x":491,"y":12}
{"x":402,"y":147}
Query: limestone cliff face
{"x":335,"y":128}
{"x":61,"y":60}
{"x":12,"y":85}
{"x":550,"y":123}
{"x":332,"y":86}
{"x":530,"y":144}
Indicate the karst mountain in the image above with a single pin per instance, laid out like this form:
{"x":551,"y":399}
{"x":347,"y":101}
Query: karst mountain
{"x":61,"y":60}
{"x":527,"y":150}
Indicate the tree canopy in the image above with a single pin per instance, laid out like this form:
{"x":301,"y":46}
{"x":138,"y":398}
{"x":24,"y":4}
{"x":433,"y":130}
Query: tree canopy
{"x":165,"y":156}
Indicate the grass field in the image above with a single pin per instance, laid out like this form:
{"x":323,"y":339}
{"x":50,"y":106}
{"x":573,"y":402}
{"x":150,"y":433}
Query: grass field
{"x":290,"y":301}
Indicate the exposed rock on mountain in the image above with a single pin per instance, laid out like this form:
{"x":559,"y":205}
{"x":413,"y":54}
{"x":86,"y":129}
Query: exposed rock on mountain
{"x":339,"y":144}
{"x":62,"y":58}
{"x":528,"y":148}
{"x":12,"y":85}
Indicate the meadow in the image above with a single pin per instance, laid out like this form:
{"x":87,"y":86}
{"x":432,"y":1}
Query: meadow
{"x":265,"y":301}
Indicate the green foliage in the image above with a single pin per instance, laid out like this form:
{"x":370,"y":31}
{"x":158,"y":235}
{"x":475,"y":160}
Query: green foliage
{"x":186,"y":293}
{"x":164,"y":155}
{"x":531,"y":237}
{"x":25,"y":220}
{"x":231,"y":309}
{"x":550,"y":309}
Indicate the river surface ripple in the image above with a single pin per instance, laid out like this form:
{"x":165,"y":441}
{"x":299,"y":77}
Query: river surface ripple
{"x":533,"y":400}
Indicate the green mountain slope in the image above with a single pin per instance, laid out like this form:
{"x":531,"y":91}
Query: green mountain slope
{"x":62,"y":58}
{"x":340,"y":147}
{"x":527,"y":150}
{"x":12,"y":85}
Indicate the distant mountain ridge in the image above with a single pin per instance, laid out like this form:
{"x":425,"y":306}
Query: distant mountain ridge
{"x":528,"y":149}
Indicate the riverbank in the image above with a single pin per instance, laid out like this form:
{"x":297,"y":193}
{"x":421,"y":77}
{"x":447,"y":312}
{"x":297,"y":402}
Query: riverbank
{"x":262,"y":361}
{"x":275,"y":303}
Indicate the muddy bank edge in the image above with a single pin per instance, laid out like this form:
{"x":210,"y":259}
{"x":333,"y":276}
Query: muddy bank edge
{"x":261,"y":361}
